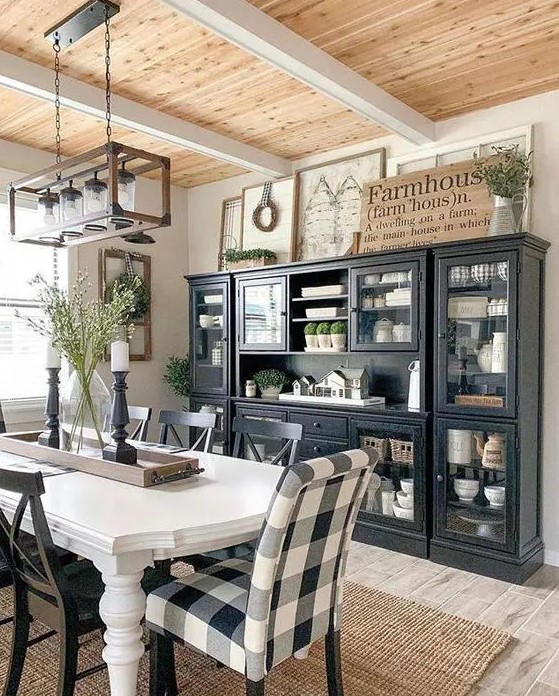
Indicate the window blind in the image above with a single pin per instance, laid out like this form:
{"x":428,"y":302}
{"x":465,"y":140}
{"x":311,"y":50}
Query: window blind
{"x":22,"y":351}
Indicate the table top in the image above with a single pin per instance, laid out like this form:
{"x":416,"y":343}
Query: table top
{"x":222,"y":506}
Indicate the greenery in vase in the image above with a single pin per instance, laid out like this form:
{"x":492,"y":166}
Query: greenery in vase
{"x":323,"y":329}
{"x":338,"y":327}
{"x":80,"y":330}
{"x":310,"y":329}
{"x":507,"y":172}
{"x":177,"y":376}
{"x":270,"y":378}
{"x":232,"y":255}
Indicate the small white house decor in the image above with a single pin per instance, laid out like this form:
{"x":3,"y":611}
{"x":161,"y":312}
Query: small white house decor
{"x":304,"y":386}
{"x":344,"y":383}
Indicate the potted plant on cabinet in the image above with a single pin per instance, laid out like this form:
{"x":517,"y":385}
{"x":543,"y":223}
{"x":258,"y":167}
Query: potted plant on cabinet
{"x":177,"y":377}
{"x":323,"y":332}
{"x":270,"y":383}
{"x":338,"y":334}
{"x":248,"y":258}
{"x":310,"y":335}
{"x":507,"y":174}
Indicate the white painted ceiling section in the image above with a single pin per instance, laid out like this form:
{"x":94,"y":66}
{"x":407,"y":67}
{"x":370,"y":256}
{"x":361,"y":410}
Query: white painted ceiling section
{"x":244,"y":25}
{"x":37,"y":81}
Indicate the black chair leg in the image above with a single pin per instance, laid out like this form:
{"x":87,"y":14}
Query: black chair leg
{"x":20,"y":636}
{"x":333,"y":657}
{"x":68,"y":666}
{"x":162,"y":675}
{"x":255,"y":688}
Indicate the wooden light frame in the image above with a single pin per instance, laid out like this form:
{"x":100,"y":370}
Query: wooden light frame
{"x":110,"y":158}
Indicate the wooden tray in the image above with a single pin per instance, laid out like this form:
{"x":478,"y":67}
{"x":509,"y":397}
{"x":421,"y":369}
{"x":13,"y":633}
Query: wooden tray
{"x":154,"y":467}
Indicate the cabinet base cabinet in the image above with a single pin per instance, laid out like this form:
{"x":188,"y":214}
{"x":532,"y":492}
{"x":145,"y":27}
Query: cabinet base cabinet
{"x":402,"y":541}
{"x":513,"y":570}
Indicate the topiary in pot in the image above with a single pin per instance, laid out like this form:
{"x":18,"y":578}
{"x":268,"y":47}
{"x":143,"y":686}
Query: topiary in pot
{"x":323,"y":332}
{"x":338,"y":334}
{"x":310,"y":335}
{"x":177,"y":376}
{"x":270,"y":382}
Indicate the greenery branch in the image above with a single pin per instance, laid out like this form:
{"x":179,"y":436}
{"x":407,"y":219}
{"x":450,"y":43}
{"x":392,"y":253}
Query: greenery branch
{"x":507,"y":172}
{"x":233,"y":255}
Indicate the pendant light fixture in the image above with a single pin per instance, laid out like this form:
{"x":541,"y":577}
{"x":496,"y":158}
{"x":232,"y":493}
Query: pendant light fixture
{"x":91,"y":196}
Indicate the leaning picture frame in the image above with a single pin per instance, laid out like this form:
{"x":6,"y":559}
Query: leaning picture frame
{"x":329,"y":203}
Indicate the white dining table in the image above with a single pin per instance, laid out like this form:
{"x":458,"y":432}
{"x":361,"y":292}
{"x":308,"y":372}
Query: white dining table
{"x":123,"y":529}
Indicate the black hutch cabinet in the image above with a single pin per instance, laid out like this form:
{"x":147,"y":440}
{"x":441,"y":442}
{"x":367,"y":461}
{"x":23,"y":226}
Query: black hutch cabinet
{"x":467,"y":316}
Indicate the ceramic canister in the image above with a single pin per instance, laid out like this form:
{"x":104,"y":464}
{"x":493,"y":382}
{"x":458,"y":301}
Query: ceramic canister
{"x":459,"y":446}
{"x":499,"y":352}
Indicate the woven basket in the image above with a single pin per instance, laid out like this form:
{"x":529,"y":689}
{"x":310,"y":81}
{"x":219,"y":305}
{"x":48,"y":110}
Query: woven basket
{"x":379,"y":443}
{"x":402,"y":451}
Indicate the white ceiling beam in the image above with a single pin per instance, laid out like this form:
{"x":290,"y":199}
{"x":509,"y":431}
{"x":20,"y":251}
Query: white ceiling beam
{"x":37,"y":81}
{"x":246,"y":26}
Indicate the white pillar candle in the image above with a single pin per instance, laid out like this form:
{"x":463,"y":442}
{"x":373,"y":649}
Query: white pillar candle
{"x":120,"y":357}
{"x":53,"y":358}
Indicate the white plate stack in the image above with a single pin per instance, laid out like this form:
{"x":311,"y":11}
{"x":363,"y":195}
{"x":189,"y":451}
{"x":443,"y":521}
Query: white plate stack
{"x":401,"y":297}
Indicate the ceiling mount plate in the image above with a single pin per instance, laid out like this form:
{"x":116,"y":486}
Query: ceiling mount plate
{"x":81,"y":22}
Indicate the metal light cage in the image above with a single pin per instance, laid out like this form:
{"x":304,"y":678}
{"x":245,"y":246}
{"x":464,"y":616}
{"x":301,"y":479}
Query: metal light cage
{"x":106,"y":161}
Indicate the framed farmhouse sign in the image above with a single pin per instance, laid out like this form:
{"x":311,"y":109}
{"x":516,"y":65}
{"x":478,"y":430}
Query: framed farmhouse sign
{"x":423,"y":207}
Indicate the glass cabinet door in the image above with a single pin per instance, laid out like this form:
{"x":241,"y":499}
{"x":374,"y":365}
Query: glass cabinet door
{"x":384,"y":308}
{"x":201,"y":405}
{"x":475,"y":483}
{"x":209,"y":321}
{"x":477,"y":334}
{"x":399,"y":500}
{"x":262,"y":314}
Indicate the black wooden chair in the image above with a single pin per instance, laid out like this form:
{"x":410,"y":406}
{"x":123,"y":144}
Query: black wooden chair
{"x":205,"y":421}
{"x":290,"y":435}
{"x":142,"y":414}
{"x":65,"y":598}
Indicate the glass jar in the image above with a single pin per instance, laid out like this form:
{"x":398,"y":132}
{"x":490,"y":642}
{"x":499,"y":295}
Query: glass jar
{"x":71,"y":208}
{"x":48,"y":208}
{"x":85,"y":408}
{"x":250,"y":388}
{"x":95,"y":201}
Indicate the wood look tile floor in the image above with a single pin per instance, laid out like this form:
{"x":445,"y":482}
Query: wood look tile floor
{"x":530,"y":666}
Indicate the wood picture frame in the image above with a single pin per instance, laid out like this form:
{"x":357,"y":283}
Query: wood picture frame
{"x":111,"y":264}
{"x":230,"y":236}
{"x":333,"y":228}
{"x":281,"y":239}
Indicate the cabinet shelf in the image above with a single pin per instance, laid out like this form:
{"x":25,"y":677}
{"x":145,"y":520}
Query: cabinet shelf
{"x":406,"y":307}
{"x":477,"y":465}
{"x":320,"y":297}
{"x":381,"y":286}
{"x":319,"y":319}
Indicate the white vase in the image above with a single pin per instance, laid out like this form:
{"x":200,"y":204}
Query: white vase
{"x":502,"y":218}
{"x":324,"y":341}
{"x":311,"y":340}
{"x":338,"y":340}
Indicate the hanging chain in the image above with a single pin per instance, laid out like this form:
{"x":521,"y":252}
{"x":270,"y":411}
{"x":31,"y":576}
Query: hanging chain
{"x":108,"y":73}
{"x":56,"y":47}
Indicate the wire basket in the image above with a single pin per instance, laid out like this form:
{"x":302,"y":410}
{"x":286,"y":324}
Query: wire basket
{"x":402,"y":451}
{"x":379,"y":443}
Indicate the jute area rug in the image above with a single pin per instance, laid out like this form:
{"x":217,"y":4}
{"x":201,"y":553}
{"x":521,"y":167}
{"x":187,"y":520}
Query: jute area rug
{"x":391,"y":647}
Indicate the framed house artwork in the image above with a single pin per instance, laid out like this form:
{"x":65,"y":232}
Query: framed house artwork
{"x":268,"y":218}
{"x":230,"y":237}
{"x":329,"y":203}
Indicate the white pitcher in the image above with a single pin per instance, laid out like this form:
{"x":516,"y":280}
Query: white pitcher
{"x":414,"y":391}
{"x":499,"y":353}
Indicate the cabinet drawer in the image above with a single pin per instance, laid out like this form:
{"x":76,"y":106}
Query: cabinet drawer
{"x":322,"y":426}
{"x":319,"y":448}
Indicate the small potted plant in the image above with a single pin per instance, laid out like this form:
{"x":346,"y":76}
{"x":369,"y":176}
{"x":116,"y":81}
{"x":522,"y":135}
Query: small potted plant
{"x":323,"y":333}
{"x":507,"y":173}
{"x":177,"y":376}
{"x":310,"y":335}
{"x":338,"y":334}
{"x":249,"y":258}
{"x":270,"y":383}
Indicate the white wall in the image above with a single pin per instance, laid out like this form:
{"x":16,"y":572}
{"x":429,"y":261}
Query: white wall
{"x":205,"y":215}
{"x":169,"y":263}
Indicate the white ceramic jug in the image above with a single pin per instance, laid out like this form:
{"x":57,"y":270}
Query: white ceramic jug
{"x":414,"y":398}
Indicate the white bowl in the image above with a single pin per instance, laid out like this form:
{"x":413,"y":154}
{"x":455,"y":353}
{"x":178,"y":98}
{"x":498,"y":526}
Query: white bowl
{"x":495,"y":495}
{"x":403,"y":513}
{"x":407,"y":486}
{"x":206,"y":320}
{"x":466,"y":489}
{"x":406,"y":501}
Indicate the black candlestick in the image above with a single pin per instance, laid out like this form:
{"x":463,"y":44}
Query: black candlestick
{"x":50,"y":437}
{"x":120,"y":450}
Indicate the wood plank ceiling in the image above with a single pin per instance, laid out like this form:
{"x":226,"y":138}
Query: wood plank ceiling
{"x":442,"y":57}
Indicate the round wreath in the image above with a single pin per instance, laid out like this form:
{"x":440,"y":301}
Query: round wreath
{"x":256,"y":215}
{"x":142,"y":294}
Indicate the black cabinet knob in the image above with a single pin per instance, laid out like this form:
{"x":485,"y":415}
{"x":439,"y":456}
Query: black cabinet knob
{"x":442,"y":335}
{"x":316,"y":425}
{"x":440,"y":478}
{"x":316,"y":449}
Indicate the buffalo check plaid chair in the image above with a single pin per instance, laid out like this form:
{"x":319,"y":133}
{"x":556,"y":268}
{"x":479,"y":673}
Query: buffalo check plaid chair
{"x":250,"y":616}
